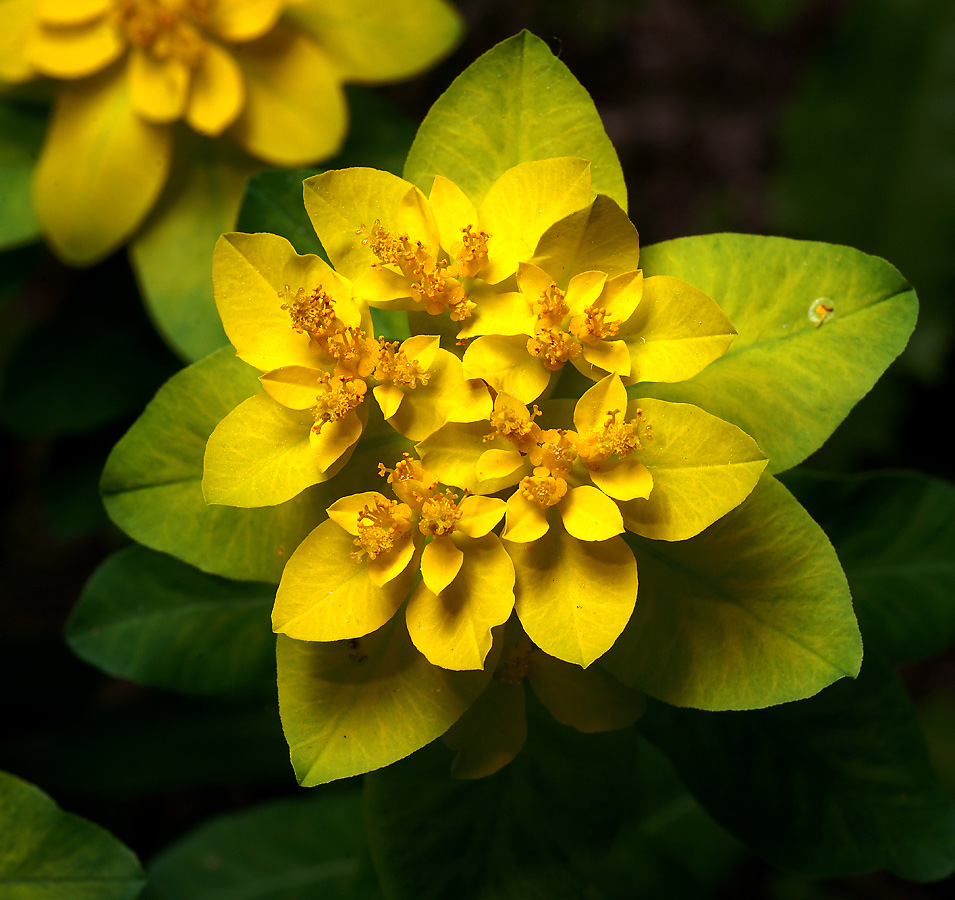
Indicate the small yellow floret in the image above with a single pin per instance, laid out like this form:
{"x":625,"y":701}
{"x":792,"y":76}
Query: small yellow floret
{"x":593,"y":325}
{"x":555,"y":452}
{"x":166,"y":31}
{"x":620,"y":438}
{"x":550,"y":307}
{"x":410,"y":481}
{"x":379,"y":526}
{"x":439,"y":514}
{"x":470,"y":254}
{"x":553,"y":347}
{"x":396,"y":366}
{"x":339,"y":396}
{"x":357,"y":354}
{"x":312,"y":312}
{"x":516,"y":424}
{"x":543,"y":488}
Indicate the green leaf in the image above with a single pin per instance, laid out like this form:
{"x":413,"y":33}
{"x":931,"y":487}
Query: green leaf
{"x":515,"y":104}
{"x":753,"y":612}
{"x":172,"y":254}
{"x":21,"y":133}
{"x":288,"y":850}
{"x":787,"y":380}
{"x":152,"y":481}
{"x":48,"y":854}
{"x":534,"y":830}
{"x":353,"y":706}
{"x":273,"y":203}
{"x":837,"y":785}
{"x":895,"y":536}
{"x":148,"y":618}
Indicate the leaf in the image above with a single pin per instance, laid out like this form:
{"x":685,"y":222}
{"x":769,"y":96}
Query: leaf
{"x":786,"y":380}
{"x":49,"y":854}
{"x":895,"y":536}
{"x":837,"y":785}
{"x":515,"y":104}
{"x":290,"y":849}
{"x":152,"y":481}
{"x":353,"y":706}
{"x":533,"y":830}
{"x":172,"y":254}
{"x":753,"y":612}
{"x":151,"y":619}
{"x":21,"y":133}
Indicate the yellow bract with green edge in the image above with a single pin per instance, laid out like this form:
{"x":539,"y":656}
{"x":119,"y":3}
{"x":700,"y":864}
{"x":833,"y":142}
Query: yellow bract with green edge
{"x":497,"y":519}
{"x":267,"y":74}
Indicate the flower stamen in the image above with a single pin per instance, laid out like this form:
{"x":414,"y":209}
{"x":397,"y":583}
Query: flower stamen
{"x":380,"y":525}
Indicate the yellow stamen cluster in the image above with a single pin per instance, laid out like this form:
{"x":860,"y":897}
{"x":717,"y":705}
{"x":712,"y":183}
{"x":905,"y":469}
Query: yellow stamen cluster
{"x":409,"y":480}
{"x":515,"y":424}
{"x":551,"y":307}
{"x":614,"y":438}
{"x":339,"y":396}
{"x":167,"y":31}
{"x":439,"y":514}
{"x":395,"y":366}
{"x":516,"y":663}
{"x":543,"y":488}
{"x":553,"y":347}
{"x":555,"y":452}
{"x":593,"y":325}
{"x":312,"y":312}
{"x":470,"y":254}
{"x":380,"y":525}
{"x":356,"y":354}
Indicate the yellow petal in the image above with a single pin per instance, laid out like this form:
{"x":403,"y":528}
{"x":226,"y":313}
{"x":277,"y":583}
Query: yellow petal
{"x":325,"y":595}
{"x":590,"y":700}
{"x":342,"y":202}
{"x":380,"y":40}
{"x":388,"y":566}
{"x":440,"y":563}
{"x":498,"y":313}
{"x":415,"y":218}
{"x":337,"y":438}
{"x":525,"y":521}
{"x":345,"y":511}
{"x":259,"y":455}
{"x":592,"y":409}
{"x":589,"y":514}
{"x":523,"y":203}
{"x":295,"y":112}
{"x":159,"y":88}
{"x":622,"y":295}
{"x":452,"y":452}
{"x":452,"y":211}
{"x":623,"y":479}
{"x":498,"y":464}
{"x":479,"y":515}
{"x":422,"y":348}
{"x":491,"y":733}
{"x":68,"y":12}
{"x":19,"y":19}
{"x":218,"y":92}
{"x":389,"y":397}
{"x":101,"y":168}
{"x":533,"y":281}
{"x":453,"y":630}
{"x":243,"y":20}
{"x":74,"y":51}
{"x":602,"y":357}
{"x":504,"y":363}
{"x":293,"y":386}
{"x":254,"y":275}
{"x":584,"y":290}
{"x":702,"y":467}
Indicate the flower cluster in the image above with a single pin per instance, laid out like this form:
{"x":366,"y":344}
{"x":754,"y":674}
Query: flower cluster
{"x":502,"y":539}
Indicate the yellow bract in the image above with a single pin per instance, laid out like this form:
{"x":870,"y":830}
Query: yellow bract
{"x":266,"y":73}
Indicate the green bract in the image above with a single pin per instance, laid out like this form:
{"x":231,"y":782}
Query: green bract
{"x":573,"y":439}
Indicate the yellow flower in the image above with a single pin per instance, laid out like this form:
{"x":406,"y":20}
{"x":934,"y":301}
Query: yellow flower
{"x":301,"y":325}
{"x":266,"y":73}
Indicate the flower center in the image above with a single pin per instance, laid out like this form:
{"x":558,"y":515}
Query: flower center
{"x":555,"y":452}
{"x":515,"y":424}
{"x":593,"y":325}
{"x":165,"y":28}
{"x":409,"y":480}
{"x":395,"y":366}
{"x":470,"y":253}
{"x":543,"y":488}
{"x":379,"y":525}
{"x":339,"y":396}
{"x":553,"y":347}
{"x":439,"y":514}
{"x":621,"y":438}
{"x":550,"y":307}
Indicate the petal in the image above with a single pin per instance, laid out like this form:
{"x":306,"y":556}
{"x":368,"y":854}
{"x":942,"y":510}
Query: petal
{"x":158,"y":88}
{"x":584,"y":290}
{"x":325,"y":595}
{"x":702,"y":467}
{"x":74,"y":51}
{"x":440,"y":563}
{"x":388,"y":566}
{"x":380,"y":40}
{"x":296,"y":387}
{"x":498,"y":464}
{"x":504,"y":363}
{"x":422,"y":348}
{"x":675,"y":332}
{"x":337,"y":439}
{"x":523,"y":203}
{"x":525,"y":521}
{"x":19,"y":20}
{"x":254,"y":275}
{"x":623,"y":479}
{"x":389,"y":397}
{"x":452,"y":211}
{"x":259,"y":455}
{"x":599,"y":236}
{"x":590,"y":700}
{"x":574,"y":597}
{"x":504,"y":313}
{"x":622,"y":295}
{"x":533,"y":281}
{"x":101,"y":168}
{"x":453,"y":630}
{"x":604,"y":397}
{"x":479,"y":515}
{"x":243,"y":20}
{"x":344,"y":512}
{"x":218,"y":92}
{"x":415,"y":219}
{"x":452,"y":452}
{"x":69,"y":12}
{"x":491,"y":733}
{"x":342,"y":202}
{"x":589,"y":514}
{"x":601,"y":357}
{"x":295,"y":111}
